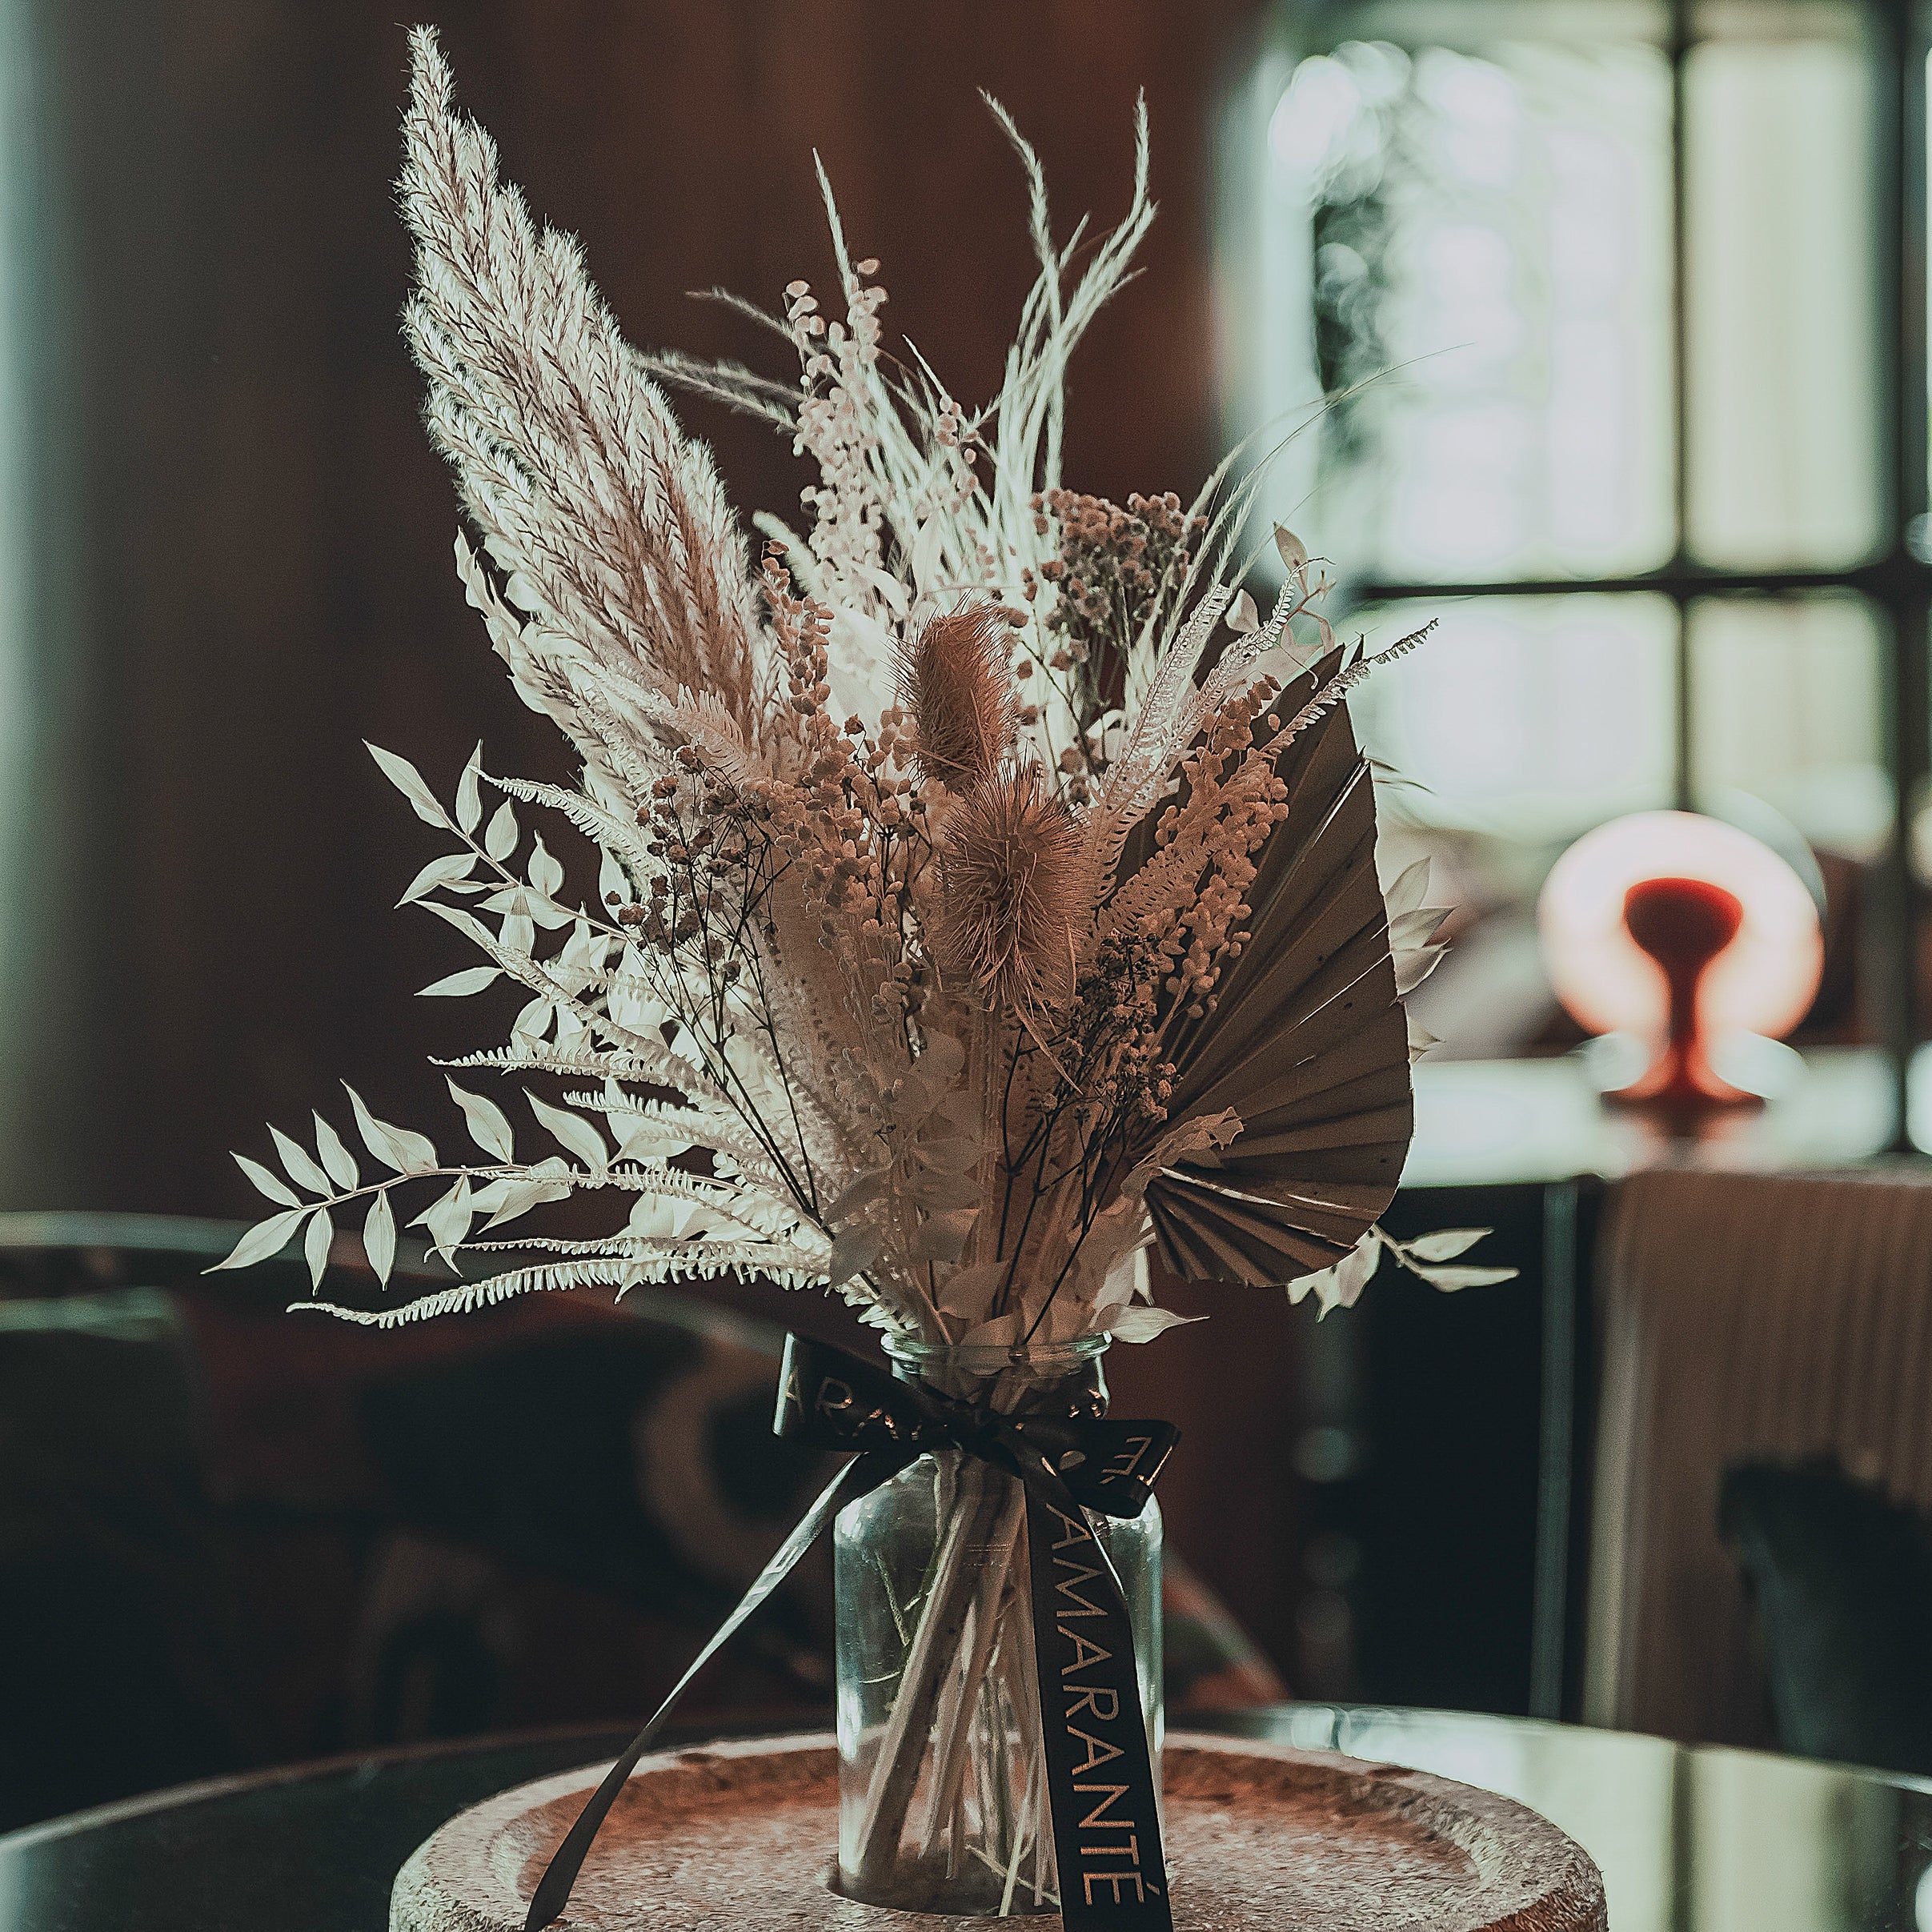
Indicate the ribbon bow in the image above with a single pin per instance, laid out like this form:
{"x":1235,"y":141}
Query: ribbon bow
{"x":1100,"y":1782}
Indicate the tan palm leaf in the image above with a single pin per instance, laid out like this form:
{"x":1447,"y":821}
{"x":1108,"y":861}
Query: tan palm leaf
{"x":1307,"y":1043}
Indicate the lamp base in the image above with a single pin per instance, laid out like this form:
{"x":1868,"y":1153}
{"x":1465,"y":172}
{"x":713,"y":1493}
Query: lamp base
{"x":1681,"y":1085}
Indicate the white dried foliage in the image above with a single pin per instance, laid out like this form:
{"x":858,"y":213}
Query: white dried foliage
{"x":762,"y":1064}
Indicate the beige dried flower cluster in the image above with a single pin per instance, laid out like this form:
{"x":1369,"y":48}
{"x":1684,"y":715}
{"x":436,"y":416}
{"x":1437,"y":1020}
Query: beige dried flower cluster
{"x":955,"y":1005}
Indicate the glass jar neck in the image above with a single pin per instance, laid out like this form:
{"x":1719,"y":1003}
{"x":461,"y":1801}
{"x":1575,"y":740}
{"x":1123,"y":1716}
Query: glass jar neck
{"x":1061,"y":1378}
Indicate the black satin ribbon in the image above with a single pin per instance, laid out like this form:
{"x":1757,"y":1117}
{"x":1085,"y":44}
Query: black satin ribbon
{"x":1099,"y":1781}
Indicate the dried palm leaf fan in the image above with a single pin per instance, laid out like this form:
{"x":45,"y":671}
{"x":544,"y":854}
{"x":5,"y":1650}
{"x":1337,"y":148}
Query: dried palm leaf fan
{"x":1307,"y":1043}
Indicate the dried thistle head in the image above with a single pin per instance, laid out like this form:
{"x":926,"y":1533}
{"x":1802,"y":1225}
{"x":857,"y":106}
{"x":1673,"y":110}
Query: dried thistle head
{"x":1012,"y":903}
{"x":955,"y":680}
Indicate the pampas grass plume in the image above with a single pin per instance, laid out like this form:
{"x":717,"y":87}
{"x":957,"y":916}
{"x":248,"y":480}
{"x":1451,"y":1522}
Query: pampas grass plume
{"x":955,"y":681}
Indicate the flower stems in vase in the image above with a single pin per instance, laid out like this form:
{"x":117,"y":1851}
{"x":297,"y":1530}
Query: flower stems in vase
{"x":945,"y":1663}
{"x":944,"y":1791}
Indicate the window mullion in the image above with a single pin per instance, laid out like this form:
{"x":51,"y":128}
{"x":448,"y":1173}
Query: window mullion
{"x":1901,"y":437}
{"x":1686,"y":775}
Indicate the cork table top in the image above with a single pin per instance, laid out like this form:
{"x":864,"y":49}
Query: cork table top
{"x":743,"y":1835}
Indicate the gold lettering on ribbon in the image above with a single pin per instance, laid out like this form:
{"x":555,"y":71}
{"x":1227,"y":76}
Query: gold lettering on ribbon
{"x":833,"y":1397}
{"x":1115,"y":1881}
{"x":1088,"y":1652}
{"x":1109,"y":1846}
{"x":1088,"y":1693}
{"x":1076,"y":1528}
{"x":1063,"y":1586}
{"x":1094,"y":1746}
{"x":1093,"y":1821}
{"x":1125,"y":1467}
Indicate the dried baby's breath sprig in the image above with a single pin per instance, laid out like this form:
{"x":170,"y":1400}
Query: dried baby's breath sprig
{"x":837,"y":359}
{"x":1112,"y":571}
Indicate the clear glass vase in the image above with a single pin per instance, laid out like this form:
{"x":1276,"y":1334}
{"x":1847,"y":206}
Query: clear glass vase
{"x":942,"y":1780}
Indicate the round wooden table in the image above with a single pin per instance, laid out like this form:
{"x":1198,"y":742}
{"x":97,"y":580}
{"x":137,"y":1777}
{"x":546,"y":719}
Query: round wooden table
{"x":1689,"y":1841}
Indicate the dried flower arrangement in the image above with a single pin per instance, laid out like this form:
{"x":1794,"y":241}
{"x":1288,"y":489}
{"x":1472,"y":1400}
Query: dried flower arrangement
{"x":1074,"y":950}
{"x":957,"y":1006}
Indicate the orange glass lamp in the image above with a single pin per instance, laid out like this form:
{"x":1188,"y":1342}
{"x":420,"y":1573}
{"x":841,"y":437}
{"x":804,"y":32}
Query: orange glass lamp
{"x":1680,"y":929}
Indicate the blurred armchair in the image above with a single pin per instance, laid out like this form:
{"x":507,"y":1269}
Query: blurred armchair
{"x":1745,"y":1319}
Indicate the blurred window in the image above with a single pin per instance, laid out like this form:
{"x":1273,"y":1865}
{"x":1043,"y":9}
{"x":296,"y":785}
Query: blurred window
{"x":1586,"y":327}
{"x":1781,"y":271}
{"x":1809,"y":737}
{"x":1542,"y":717}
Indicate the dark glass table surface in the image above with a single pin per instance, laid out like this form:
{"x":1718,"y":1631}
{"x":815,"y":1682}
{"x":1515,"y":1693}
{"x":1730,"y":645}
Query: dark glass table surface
{"x":1702,"y":1840}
